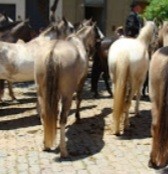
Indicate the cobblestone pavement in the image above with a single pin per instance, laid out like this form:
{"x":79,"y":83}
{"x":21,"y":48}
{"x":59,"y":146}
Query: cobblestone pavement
{"x":92,"y":146}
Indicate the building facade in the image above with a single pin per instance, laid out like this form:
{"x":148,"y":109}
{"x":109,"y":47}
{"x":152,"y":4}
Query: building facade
{"x":109,"y":14}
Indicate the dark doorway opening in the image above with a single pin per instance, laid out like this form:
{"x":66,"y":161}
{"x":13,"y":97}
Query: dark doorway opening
{"x":97,"y":14}
{"x":38,"y":13}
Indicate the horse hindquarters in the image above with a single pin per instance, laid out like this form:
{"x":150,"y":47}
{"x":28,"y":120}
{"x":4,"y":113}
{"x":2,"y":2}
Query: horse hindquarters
{"x":159,"y":128}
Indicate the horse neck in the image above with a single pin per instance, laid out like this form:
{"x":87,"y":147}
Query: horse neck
{"x":146,"y":35}
{"x":75,"y":40}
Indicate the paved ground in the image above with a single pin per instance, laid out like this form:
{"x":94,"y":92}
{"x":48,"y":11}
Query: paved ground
{"x":92,"y":146}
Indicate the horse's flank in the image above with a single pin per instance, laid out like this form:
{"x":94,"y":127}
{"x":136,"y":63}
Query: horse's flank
{"x":158,"y":74}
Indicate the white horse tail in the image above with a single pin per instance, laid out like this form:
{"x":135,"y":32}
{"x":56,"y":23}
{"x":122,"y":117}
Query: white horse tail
{"x":51,"y":101}
{"x":121,"y":76}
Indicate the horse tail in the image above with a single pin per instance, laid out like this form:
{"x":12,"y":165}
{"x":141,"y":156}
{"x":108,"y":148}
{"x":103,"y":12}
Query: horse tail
{"x":121,"y":73}
{"x":51,"y":100}
{"x":162,"y":122}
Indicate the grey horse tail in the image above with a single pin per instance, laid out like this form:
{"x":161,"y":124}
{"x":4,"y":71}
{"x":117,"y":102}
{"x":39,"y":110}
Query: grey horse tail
{"x":51,"y":98}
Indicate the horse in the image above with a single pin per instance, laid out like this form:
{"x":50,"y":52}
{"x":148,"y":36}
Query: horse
{"x":158,"y":92}
{"x":57,"y":77}
{"x":160,"y":41}
{"x":22,"y":31}
{"x":100,"y":65}
{"x":17,"y":59}
{"x":128,"y":62}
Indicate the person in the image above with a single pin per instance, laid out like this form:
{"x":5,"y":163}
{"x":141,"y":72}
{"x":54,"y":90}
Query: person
{"x":133,"y":22}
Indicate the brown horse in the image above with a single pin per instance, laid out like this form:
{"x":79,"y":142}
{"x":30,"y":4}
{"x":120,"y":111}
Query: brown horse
{"x":100,"y":65}
{"x":158,"y":90}
{"x":58,"y":76}
{"x":160,"y":41}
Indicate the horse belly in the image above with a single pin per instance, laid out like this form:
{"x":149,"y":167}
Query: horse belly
{"x":25,"y":73}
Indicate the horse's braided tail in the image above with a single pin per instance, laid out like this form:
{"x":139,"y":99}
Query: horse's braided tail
{"x":162,"y":122}
{"x":51,"y":100}
{"x":122,"y":70}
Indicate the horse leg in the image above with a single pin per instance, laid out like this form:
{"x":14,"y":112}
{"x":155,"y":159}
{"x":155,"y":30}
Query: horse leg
{"x":128,"y":100}
{"x":95,"y":74}
{"x":66,"y":104}
{"x":137,"y":102}
{"x":2,"y":85}
{"x":78,"y":98}
{"x":11,"y":93}
{"x":145,"y":86}
{"x":106,"y":78}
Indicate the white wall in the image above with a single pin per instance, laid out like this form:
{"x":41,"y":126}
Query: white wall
{"x":20,"y":7}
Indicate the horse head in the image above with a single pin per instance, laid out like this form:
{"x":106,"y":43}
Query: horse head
{"x":163,"y":34}
{"x":23,"y":30}
{"x":65,"y":27}
{"x":88,"y":35}
{"x":58,"y":30}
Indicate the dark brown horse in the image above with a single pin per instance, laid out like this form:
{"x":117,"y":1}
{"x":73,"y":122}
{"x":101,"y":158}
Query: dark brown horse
{"x":100,"y":66}
{"x":100,"y":61}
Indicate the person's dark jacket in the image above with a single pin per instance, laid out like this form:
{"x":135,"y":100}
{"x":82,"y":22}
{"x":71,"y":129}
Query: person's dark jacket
{"x":132,"y":25}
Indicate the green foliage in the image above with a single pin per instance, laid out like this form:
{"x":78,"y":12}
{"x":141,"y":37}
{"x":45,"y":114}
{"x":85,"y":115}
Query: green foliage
{"x":157,"y":9}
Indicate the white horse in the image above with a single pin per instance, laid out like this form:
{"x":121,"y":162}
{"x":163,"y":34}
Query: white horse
{"x":128,"y":64}
{"x":17,"y":59}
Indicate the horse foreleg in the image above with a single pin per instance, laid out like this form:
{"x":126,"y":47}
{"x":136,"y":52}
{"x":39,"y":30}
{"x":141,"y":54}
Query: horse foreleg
{"x":11,"y":93}
{"x":66,"y":104}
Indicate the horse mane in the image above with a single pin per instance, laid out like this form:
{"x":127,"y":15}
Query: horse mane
{"x":47,"y":30}
{"x":146,"y":32}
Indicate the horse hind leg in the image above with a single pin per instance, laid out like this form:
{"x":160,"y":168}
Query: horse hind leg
{"x":106,"y":80}
{"x":11,"y":93}
{"x":66,"y":104}
{"x":78,"y":98}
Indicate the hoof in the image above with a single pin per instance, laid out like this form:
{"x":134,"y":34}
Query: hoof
{"x":47,"y":149}
{"x":64,"y":155}
{"x":154,"y":166}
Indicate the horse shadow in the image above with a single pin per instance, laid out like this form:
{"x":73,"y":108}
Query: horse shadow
{"x":86,"y":138}
{"x":140,"y":126}
{"x":23,"y":122}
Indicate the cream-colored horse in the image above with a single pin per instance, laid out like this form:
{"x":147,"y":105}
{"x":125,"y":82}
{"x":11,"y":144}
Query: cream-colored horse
{"x":58,"y":75}
{"x":17,"y":59}
{"x":128,"y":64}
